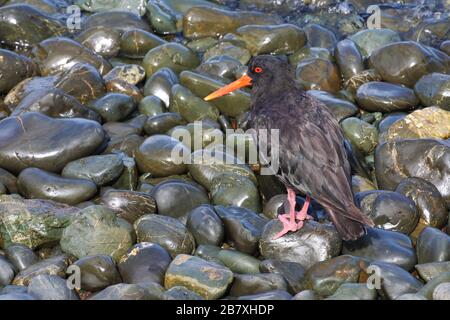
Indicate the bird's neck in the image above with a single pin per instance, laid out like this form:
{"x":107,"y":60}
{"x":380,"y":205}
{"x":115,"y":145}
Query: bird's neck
{"x":273,"y":89}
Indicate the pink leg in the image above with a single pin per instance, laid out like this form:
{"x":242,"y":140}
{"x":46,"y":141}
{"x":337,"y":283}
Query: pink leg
{"x":288,"y":219}
{"x":302,"y":214}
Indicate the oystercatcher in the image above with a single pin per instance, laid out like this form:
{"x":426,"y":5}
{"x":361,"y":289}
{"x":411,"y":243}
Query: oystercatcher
{"x":312,"y":156}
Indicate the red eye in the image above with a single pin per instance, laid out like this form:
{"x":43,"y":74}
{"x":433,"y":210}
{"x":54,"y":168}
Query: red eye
{"x":258,"y":70}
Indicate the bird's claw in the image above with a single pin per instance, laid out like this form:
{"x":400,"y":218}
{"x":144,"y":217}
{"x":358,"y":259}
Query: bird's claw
{"x":289,"y":225}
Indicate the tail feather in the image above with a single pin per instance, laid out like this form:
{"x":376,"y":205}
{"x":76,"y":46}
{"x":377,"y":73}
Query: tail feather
{"x":350,"y":222}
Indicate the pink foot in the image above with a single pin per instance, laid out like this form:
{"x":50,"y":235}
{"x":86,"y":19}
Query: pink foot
{"x":302,"y":215}
{"x":288,"y":225}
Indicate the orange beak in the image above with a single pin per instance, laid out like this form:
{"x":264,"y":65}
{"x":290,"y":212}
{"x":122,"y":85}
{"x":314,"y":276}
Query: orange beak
{"x":243,"y":81}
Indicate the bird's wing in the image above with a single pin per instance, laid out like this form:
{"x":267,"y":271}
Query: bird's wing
{"x":313,"y":156}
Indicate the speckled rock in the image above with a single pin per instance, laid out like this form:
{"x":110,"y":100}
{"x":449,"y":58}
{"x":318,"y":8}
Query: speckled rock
{"x":432,"y":122}
{"x":33,"y":222}
{"x":129,"y":205}
{"x":207,"y":279}
{"x":397,"y":160}
{"x":96,"y":231}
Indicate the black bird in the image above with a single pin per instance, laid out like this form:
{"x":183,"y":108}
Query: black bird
{"x":312,"y":155}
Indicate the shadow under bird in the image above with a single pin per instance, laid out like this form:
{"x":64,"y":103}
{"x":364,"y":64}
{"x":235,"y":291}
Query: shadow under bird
{"x":312,"y":155}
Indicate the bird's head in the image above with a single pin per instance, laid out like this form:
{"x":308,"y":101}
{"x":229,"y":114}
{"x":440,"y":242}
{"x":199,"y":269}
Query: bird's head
{"x":262,"y":70}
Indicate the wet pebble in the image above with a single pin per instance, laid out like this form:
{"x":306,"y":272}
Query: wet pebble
{"x":318,"y":74}
{"x":162,"y":123}
{"x":50,"y":287}
{"x":369,"y":40}
{"x":135,"y":43}
{"x":154,"y":156}
{"x":311,"y":244}
{"x":389,"y":210}
{"x":207,"y":279}
{"x":376,"y":242}
{"x":250,"y":284}
{"x":269,"y":295}
{"x":7,"y":272}
{"x":166,"y":231}
{"x":101,"y":170}
{"x":35,"y":183}
{"x":433,"y":245}
{"x":113,"y":106}
{"x":320,"y":37}
{"x":169,"y":194}
{"x":20,"y":256}
{"x":144,"y":262}
{"x":395,"y":281}
{"x":97,"y":272}
{"x":205,"y":225}
{"x":64,"y":140}
{"x":101,"y":40}
{"x":14,"y":68}
{"x":434,"y":90}
{"x":170,"y":55}
{"x":292,"y":272}
{"x":122,"y":291}
{"x":243,"y":227}
{"x":428,"y":271}
{"x":181,"y":293}
{"x":353,"y":291}
{"x":442,"y":291}
{"x":96,"y":231}
{"x":348,"y":58}
{"x":385,"y":97}
{"x":325,"y":277}
{"x":362,"y":134}
{"x":129,"y":205}
{"x":55,"y":265}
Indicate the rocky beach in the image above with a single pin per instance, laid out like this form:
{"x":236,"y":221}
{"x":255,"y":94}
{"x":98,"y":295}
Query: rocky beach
{"x":96,"y":95}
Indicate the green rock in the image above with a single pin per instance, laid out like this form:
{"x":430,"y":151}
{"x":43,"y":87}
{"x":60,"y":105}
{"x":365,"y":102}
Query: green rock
{"x":434,"y":90}
{"x":33,"y":222}
{"x":361,"y":134}
{"x":232,"y":104}
{"x":101,"y":169}
{"x":136,"y":43}
{"x":228,"y":49}
{"x":235,"y":190}
{"x":309,"y":52}
{"x":135,"y":6}
{"x":353,"y":291}
{"x":205,"y":171}
{"x":171,"y":55}
{"x":200,"y":22}
{"x":430,"y":270}
{"x":428,"y":289}
{"x":274,"y":39}
{"x":369,"y":40}
{"x":151,"y":106}
{"x":191,"y":107}
{"x":327,"y":276}
{"x":155,"y":156}
{"x":207,"y":279}
{"x":96,"y":231}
